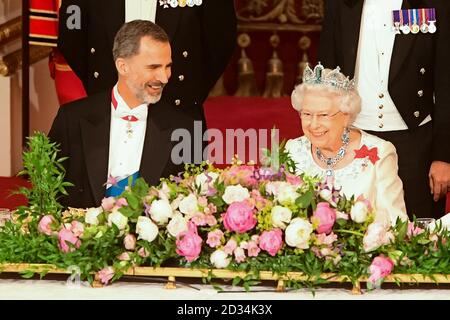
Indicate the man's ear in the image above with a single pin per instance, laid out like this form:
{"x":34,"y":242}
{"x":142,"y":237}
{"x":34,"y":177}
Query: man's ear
{"x":122,"y":66}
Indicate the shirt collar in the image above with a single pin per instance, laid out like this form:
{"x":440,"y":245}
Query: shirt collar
{"x":120,"y":109}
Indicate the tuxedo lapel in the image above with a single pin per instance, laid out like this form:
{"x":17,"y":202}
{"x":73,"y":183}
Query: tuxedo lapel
{"x":168,"y":19}
{"x":351,"y":22}
{"x":402,"y":45}
{"x":157,"y":146}
{"x":95,"y":140}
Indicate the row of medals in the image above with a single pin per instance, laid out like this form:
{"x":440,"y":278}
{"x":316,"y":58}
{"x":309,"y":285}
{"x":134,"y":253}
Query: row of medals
{"x":415,"y":28}
{"x":180,"y":3}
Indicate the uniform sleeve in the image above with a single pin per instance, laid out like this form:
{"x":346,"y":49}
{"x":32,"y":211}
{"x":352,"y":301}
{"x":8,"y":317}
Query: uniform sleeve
{"x":59,"y":135}
{"x":72,"y":41}
{"x":441,"y":114}
{"x":390,"y":203}
{"x":220,"y":32}
{"x":327,"y":47}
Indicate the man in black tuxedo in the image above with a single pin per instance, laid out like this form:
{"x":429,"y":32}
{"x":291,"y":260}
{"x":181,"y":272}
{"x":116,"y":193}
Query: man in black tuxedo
{"x":202,"y":36}
{"x":404,"y":83}
{"x":125,"y":131}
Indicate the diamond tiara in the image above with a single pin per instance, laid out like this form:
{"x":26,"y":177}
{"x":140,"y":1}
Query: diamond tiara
{"x":334,"y":78}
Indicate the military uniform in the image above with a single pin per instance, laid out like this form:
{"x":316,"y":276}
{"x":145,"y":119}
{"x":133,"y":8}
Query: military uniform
{"x":418,"y":84}
{"x":202,"y":38}
{"x":44,"y":32}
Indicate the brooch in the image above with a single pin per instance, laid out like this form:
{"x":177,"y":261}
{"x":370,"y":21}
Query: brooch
{"x":365,"y":152}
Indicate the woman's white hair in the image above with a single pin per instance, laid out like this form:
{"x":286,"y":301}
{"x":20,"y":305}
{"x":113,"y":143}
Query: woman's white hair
{"x":348,"y":100}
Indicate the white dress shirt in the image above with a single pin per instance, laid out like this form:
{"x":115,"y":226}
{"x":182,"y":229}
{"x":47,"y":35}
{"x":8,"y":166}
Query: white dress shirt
{"x":376,"y":43}
{"x":140,"y":10}
{"x":125,"y":150}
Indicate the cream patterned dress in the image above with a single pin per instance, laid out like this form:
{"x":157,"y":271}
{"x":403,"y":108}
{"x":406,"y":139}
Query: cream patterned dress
{"x":378,"y":182}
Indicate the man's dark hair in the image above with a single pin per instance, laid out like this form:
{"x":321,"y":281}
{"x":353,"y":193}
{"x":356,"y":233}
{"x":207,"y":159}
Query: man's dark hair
{"x":128,"y":38}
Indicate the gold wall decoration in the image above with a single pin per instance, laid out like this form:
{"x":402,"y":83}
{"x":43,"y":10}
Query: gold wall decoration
{"x":304,"y":43}
{"x":10,"y":63}
{"x":246,"y":74}
{"x":10,"y":30}
{"x":282,"y":11}
{"x":283,"y":23}
{"x":275,"y":74}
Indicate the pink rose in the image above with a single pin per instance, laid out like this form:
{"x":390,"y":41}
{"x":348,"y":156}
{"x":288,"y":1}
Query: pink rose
{"x":230,"y":246}
{"x":189,"y":244}
{"x":108,"y":203}
{"x":413,"y":231}
{"x":129,"y":242}
{"x":240,"y":217}
{"x":199,"y":219}
{"x":64,"y":236}
{"x":377,"y":235}
{"x":105,"y":275}
{"x":239,"y":255}
{"x":77,"y":228}
{"x":294,"y":180}
{"x":260,"y":201}
{"x":142,"y":252}
{"x":124,"y":256}
{"x":121,"y":202}
{"x":202,"y":201}
{"x":322,"y":238}
{"x":271,"y":241}
{"x":325,"y":217}
{"x":381,"y":267}
{"x":241,"y":174}
{"x":253,"y":249}
{"x":210,"y":220}
{"x":45,"y":225}
{"x":214,"y":238}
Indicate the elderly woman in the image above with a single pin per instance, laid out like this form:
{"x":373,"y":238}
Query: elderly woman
{"x":360,"y":163}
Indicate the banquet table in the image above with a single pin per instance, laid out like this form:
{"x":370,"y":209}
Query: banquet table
{"x":27,"y":289}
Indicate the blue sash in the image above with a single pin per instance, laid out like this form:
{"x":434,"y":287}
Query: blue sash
{"x":119,"y":188}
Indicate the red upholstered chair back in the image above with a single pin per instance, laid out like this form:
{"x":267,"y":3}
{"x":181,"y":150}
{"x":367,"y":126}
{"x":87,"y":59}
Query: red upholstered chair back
{"x":252,"y":113}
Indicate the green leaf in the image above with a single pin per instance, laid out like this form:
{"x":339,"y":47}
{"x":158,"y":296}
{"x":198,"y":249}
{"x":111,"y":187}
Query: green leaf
{"x":304,"y":201}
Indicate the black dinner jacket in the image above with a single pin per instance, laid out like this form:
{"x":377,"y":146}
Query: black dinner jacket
{"x":82,"y":128}
{"x":411,"y":54}
{"x":202,"y":38}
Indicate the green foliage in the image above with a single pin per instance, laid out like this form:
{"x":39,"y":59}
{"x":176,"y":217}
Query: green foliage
{"x":46,"y":174}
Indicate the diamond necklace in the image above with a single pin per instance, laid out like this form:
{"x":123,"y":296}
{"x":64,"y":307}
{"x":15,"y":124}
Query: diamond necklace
{"x":331,"y":162}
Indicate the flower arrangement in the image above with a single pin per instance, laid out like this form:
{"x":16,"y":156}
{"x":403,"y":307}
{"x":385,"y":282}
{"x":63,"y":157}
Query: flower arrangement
{"x":243,"y":218}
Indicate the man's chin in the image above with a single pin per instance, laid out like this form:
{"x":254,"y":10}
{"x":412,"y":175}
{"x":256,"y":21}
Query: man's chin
{"x":152,"y":99}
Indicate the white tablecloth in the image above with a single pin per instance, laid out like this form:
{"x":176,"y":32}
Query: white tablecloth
{"x":19,"y":289}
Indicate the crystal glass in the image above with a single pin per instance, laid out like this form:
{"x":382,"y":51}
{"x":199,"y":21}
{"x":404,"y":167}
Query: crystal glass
{"x":424,"y":222}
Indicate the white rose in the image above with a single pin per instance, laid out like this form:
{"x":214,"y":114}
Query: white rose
{"x":118,"y":219}
{"x":235,"y":194}
{"x":286,"y":193}
{"x":189,"y":205}
{"x":298,"y":233}
{"x":377,"y":235}
{"x":281,"y":216}
{"x":359,"y":212}
{"x":164,"y":192}
{"x":161,"y":211}
{"x":220,"y":259}
{"x":326,"y":194}
{"x":146,"y":229}
{"x":201,"y":181}
{"x":177,"y":224}
{"x":176,"y":203}
{"x":92,"y":214}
